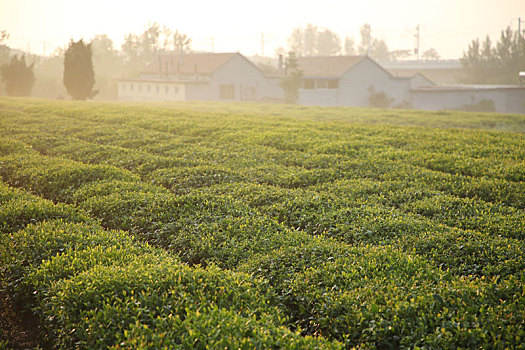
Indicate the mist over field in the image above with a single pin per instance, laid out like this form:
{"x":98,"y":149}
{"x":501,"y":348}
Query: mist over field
{"x":277,"y":175}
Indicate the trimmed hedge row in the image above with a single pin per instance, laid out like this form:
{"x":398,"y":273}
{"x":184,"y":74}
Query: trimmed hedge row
{"x":242,"y":146}
{"x":93,"y":288}
{"x":378,"y":297}
{"x":262,"y":202}
{"x":213,"y":226}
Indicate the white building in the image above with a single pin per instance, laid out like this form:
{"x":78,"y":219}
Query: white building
{"x":203,"y":76}
{"x":503,"y":98}
{"x":351,"y":81}
{"x":327,"y":81}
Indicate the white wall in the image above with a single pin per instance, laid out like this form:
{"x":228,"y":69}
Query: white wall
{"x":319,"y":97}
{"x":509,"y":100}
{"x":240,"y":73}
{"x":355,"y":83}
{"x":150,"y":91}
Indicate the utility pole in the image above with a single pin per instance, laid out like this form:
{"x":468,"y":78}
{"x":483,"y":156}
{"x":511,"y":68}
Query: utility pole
{"x":417,"y":41}
{"x":263,"y":41}
{"x":262,"y":44}
{"x":369,"y":50}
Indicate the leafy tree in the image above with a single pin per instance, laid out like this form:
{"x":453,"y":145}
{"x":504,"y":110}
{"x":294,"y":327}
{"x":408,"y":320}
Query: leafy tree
{"x":350,"y":46}
{"x":379,"y":99}
{"x":139,"y":50}
{"x":328,"y":43}
{"x":181,"y":42}
{"x":296,"y":41}
{"x":79,"y":77}
{"x":18,"y":77}
{"x":292,"y":80}
{"x":311,"y":41}
{"x":4,"y":49}
{"x":431,"y":55}
{"x":485,"y":63}
{"x":109,"y":64}
{"x":365,"y":47}
{"x":267,"y":68}
{"x":375,"y":48}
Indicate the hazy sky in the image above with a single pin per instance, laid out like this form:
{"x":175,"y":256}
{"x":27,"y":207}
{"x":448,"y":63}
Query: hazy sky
{"x":236,"y":25}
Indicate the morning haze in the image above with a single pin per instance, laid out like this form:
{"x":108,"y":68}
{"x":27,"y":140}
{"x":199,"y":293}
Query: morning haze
{"x":403,"y":54}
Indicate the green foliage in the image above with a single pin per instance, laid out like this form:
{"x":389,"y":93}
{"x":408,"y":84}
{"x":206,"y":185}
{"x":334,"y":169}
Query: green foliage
{"x":312,"y":41}
{"x":79,"y":76}
{"x":495,"y":64}
{"x":292,"y":81}
{"x":259,"y":226}
{"x":379,"y":99}
{"x":18,"y":77}
{"x":483,"y":105}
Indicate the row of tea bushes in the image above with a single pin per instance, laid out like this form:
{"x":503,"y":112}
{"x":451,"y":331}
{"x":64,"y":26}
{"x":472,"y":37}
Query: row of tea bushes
{"x":315,"y":294}
{"x":199,"y":228}
{"x":93,"y":288}
{"x":227,"y":225}
{"x":464,"y":213}
{"x":382,"y":161}
{"x":378,"y":297}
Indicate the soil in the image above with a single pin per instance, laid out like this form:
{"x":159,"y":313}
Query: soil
{"x":21,"y":330}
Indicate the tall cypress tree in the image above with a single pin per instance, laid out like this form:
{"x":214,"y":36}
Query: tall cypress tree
{"x":18,"y":77}
{"x":79,"y":77}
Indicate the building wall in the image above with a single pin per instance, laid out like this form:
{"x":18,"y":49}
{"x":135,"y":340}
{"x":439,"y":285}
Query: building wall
{"x":418,"y":81}
{"x":355,"y":85}
{"x":249,"y":83}
{"x":272,"y":91}
{"x":319,"y":97}
{"x":510,"y":100}
{"x":150,"y":91}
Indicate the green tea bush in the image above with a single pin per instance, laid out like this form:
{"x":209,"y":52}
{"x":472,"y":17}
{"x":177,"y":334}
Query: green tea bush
{"x":55,"y":178}
{"x":377,"y":236}
{"x":17,"y":213}
{"x":468,"y":252}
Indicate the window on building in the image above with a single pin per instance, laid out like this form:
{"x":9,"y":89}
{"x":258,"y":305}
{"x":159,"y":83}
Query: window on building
{"x":248,"y":92}
{"x":309,"y":84}
{"x":227,"y":91}
{"x":140,"y":87}
{"x":130,"y":87}
{"x":123,"y":87}
{"x":321,"y":84}
{"x":176,"y":89}
{"x":157,"y":89}
{"x":149,"y":88}
{"x":166,"y":89}
{"x":333,"y":84}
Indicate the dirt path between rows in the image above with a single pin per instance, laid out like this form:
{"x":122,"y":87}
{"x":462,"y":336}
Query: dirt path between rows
{"x":20,"y":330}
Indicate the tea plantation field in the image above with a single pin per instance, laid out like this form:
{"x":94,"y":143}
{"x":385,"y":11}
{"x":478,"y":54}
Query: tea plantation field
{"x":208,"y":225}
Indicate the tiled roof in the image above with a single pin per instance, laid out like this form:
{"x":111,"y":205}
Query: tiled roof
{"x":328,"y":66}
{"x":188,"y":63}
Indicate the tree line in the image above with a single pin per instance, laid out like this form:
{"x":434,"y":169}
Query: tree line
{"x":499,"y":63}
{"x":314,"y":41}
{"x":106,"y":63}
{"x":483,"y":62}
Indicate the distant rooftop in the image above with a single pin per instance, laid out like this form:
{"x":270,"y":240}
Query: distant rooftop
{"x":326,"y":66}
{"x":187,"y":63}
{"x":468,"y":87}
{"x":423,"y":65}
